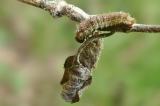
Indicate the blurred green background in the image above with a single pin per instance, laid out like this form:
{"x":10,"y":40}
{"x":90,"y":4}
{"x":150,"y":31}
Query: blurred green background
{"x":33,"y":47}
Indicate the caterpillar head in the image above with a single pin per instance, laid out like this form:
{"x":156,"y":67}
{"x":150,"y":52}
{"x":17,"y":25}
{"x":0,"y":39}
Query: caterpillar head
{"x":80,"y":36}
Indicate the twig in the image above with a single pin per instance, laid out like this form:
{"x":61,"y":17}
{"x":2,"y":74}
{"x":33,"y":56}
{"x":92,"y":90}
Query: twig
{"x":145,"y":28}
{"x":61,"y":8}
{"x":36,"y":3}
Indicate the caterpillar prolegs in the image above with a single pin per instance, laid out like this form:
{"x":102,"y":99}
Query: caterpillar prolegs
{"x":115,"y":21}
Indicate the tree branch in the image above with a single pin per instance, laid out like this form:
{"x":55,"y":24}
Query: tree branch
{"x":59,"y":8}
{"x":36,"y":3}
{"x":145,"y":28}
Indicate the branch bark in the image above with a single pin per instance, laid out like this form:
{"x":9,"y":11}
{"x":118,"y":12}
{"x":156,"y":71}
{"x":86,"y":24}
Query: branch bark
{"x":59,"y":8}
{"x":145,"y":28}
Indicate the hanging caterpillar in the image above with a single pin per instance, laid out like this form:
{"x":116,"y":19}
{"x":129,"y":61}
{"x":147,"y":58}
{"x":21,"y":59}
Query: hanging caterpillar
{"x":76,"y":77}
{"x":115,"y":21}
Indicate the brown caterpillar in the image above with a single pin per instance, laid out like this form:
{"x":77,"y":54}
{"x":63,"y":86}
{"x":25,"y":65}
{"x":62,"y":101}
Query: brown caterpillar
{"x":115,"y":21}
{"x":78,"y":74}
{"x":76,"y":77}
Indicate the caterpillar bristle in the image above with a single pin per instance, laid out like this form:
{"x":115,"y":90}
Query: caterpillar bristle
{"x":115,"y":21}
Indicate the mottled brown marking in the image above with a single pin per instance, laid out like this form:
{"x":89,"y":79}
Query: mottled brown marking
{"x":116,"y":21}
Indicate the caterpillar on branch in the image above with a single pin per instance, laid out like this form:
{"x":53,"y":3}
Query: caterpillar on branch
{"x":115,"y":21}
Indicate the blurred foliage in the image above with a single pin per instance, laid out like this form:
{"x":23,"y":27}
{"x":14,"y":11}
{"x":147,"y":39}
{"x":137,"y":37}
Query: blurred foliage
{"x":33,"y":47}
